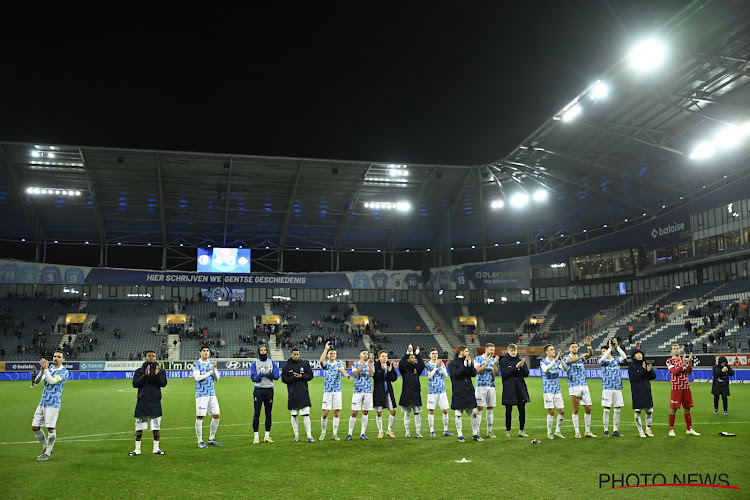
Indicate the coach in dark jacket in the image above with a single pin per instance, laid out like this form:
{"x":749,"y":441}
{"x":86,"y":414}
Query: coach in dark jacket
{"x":411,"y":367}
{"x":641,"y":376}
{"x":461,"y":370}
{"x":514,"y":370}
{"x":382,"y":383}
{"x":149,"y":379}
{"x":296,"y":374}
{"x":722,"y":372}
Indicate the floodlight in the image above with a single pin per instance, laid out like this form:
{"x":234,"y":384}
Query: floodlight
{"x":572,"y":113}
{"x":703,"y":150}
{"x":540,"y":195}
{"x":404,"y":206}
{"x":35,"y":154}
{"x":519,"y":200}
{"x":367,"y":205}
{"x":497,"y":204}
{"x":729,"y":137}
{"x":78,"y":193}
{"x":599,"y":90}
{"x":647,"y":55}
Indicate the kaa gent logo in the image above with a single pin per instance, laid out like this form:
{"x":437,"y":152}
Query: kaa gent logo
{"x":663,"y":231}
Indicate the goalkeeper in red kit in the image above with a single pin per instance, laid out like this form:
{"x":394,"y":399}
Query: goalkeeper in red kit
{"x":679,"y":369}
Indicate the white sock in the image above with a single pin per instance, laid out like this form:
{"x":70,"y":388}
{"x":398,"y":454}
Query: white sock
{"x":379,"y":422}
{"x":364,"y":423}
{"x":490,"y":420}
{"x":391,"y":421}
{"x":606,"y":419}
{"x":40,"y":436}
{"x":431,"y":422}
{"x":587,"y":420}
{"x":268,"y":434}
{"x":255,"y":435}
{"x":616,"y":419}
{"x":156,"y":445}
{"x":323,"y":425}
{"x":549,"y":424}
{"x":137,"y":446}
{"x":307,"y":424}
{"x":295,"y":426}
{"x":445,"y":422}
{"x":417,"y":423}
{"x":51,"y":436}
{"x":477,"y":421}
{"x":648,"y":421}
{"x":199,"y":429}
{"x":406,"y":422}
{"x":560,"y":417}
{"x":335,"y":425}
{"x":575,"y":423}
{"x":638,"y":422}
{"x":459,"y":424}
{"x":352,"y":422}
{"x":214,"y":428}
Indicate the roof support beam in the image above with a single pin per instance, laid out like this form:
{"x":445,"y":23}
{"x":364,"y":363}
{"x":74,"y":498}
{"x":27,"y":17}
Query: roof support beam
{"x":226,"y":206}
{"x":609,"y":130}
{"x":290,"y":207}
{"x":28,"y":210}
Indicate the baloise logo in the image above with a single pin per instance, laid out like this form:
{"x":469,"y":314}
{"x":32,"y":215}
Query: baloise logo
{"x":672,"y":228}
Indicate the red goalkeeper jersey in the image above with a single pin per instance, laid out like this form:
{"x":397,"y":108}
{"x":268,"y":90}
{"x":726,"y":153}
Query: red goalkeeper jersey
{"x":679,"y":373}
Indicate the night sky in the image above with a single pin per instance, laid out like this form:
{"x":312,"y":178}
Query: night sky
{"x":425,"y":82}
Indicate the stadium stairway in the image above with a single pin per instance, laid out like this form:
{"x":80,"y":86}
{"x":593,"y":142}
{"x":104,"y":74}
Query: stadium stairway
{"x":64,"y":340}
{"x":174,"y":352}
{"x":426,"y":318}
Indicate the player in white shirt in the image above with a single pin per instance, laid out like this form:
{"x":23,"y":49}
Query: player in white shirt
{"x":578,"y":388}
{"x":54,"y":378}
{"x":487,"y":369}
{"x":612,"y":386}
{"x":362,"y":370}
{"x":551,"y":367}
{"x":332,"y":372}
{"x":205,"y":374}
{"x":436,"y":395}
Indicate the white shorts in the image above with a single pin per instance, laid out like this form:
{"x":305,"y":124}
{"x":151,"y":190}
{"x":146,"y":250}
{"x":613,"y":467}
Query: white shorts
{"x":486,"y":396}
{"x":434,"y":400}
{"x":301,"y":411}
{"x":206,"y":405}
{"x":411,"y":409}
{"x":553,"y":400}
{"x":331,"y":400}
{"x":362,"y":401}
{"x":612,"y":398}
{"x":45,"y":416}
{"x":141,"y":423}
{"x":582,"y":393}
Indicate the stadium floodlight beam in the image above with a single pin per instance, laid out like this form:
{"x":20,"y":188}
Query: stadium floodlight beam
{"x":599,"y":90}
{"x":729,"y":137}
{"x":572,"y":113}
{"x":540,"y":195}
{"x":519,"y":200}
{"x":703,"y":150}
{"x":497,"y":204}
{"x":647,"y":55}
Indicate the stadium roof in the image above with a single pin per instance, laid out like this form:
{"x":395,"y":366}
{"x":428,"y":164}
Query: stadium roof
{"x":625,"y":157}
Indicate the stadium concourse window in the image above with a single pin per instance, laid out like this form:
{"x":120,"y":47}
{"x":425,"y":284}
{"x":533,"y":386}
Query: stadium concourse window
{"x":672,"y":254}
{"x":603,"y":265}
{"x":558,"y":270}
{"x":718,"y":244}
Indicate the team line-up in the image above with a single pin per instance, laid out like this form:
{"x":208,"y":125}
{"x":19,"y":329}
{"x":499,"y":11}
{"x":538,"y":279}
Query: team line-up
{"x":373,"y":390}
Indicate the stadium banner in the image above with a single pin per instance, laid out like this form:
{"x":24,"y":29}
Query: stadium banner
{"x":216,"y":294}
{"x":99,"y":276}
{"x":522,"y":351}
{"x":503,"y":274}
{"x":360,"y":320}
{"x":176,"y":319}
{"x":27,"y":366}
{"x":122,"y":365}
{"x":92,"y":366}
{"x":75,"y":318}
{"x":12,"y":271}
{"x":735,"y":359}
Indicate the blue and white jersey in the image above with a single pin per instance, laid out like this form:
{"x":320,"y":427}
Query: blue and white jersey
{"x":52,"y":394}
{"x":611,"y":376}
{"x":363,"y":383}
{"x":361,"y":280}
{"x":436,"y":384}
{"x":9,"y":274}
{"x":487,"y":377}
{"x":576,"y":372}
{"x":380,"y":280}
{"x":412,"y":281}
{"x":332,"y":376}
{"x":551,"y":379}
{"x":460,"y":278}
{"x":203,"y":387}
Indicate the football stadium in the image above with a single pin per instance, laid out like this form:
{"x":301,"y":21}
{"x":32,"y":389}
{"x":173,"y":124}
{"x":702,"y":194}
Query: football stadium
{"x":571,"y":318}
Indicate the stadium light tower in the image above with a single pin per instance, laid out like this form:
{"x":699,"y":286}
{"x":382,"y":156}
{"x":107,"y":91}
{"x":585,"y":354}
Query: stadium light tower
{"x":647,"y":55}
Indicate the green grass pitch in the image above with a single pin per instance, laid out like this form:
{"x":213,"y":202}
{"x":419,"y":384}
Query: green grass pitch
{"x":96,"y":428}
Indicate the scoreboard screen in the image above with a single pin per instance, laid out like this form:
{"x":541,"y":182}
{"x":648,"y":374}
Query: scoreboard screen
{"x":223,"y":260}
